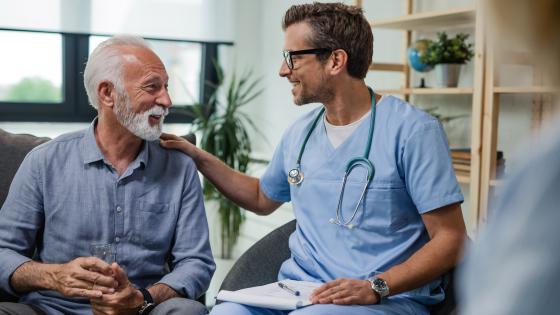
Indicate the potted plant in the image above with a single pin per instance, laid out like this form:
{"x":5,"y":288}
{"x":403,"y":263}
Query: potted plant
{"x":447,"y":55}
{"x":225,"y":135}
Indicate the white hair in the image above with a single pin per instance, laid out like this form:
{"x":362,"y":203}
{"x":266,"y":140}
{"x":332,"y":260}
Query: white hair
{"x":105,"y":64}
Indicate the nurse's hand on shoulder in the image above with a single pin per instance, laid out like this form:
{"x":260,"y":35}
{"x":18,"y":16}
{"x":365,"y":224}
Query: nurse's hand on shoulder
{"x":170,"y":141}
{"x":344,"y":291}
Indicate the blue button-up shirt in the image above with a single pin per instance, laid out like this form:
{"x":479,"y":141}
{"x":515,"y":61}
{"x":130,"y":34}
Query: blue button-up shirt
{"x":66,"y":197}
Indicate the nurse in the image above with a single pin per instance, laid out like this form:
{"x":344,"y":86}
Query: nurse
{"x":381,"y":246}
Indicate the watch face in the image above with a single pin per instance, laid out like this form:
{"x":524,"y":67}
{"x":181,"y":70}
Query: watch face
{"x":380,"y":284}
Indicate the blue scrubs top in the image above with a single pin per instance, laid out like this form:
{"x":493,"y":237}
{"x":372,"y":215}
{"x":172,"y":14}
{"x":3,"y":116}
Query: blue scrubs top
{"x":413,"y":175}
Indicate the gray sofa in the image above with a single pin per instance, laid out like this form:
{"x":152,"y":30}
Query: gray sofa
{"x":260,"y":264}
{"x":13,"y":148}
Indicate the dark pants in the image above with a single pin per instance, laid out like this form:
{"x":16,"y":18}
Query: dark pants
{"x":169,"y":307}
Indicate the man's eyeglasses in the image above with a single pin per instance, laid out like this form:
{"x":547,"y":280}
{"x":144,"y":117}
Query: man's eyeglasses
{"x":315,"y":51}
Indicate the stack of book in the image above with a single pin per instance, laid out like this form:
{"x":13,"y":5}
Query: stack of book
{"x":461,"y":158}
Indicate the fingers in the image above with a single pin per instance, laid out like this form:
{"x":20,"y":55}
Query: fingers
{"x":100,"y":309}
{"x":95,"y":264}
{"x":76,"y":280}
{"x":98,"y":281}
{"x":85,"y":293}
{"x":125,"y":298}
{"x":320,"y":291}
{"x":344,"y":291}
{"x":119,"y":274}
{"x":168,"y":136}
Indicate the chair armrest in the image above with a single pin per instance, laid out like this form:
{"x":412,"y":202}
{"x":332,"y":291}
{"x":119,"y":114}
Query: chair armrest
{"x":260,"y":264}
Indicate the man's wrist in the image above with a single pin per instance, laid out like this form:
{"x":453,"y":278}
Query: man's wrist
{"x":148,"y":303}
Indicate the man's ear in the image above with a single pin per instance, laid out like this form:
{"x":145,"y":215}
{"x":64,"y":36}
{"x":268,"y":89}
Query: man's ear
{"x":338,"y":61}
{"x":106,"y":94}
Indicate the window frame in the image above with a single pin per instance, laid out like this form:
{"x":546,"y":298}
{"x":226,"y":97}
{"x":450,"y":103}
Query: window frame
{"x":75,"y":106}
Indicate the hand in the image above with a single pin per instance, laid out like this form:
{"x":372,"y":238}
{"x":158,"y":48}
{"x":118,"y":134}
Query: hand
{"x":84,"y":277}
{"x":344,"y":291}
{"x":125,"y":300}
{"x":170,"y":141}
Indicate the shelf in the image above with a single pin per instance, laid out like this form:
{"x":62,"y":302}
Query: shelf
{"x":429,"y":20}
{"x":525,"y":90}
{"x":428,"y":91}
{"x":463,"y":179}
{"x":398,"y":67}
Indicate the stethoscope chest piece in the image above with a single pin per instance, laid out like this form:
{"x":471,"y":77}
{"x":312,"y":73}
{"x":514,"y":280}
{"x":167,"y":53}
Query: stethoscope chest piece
{"x":295,"y":176}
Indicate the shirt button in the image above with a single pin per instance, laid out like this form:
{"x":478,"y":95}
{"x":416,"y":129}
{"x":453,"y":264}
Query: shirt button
{"x":117,"y":239}
{"x":119,"y":209}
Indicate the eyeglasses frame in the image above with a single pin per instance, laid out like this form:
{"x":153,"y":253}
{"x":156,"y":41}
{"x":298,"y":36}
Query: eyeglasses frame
{"x":313,"y":51}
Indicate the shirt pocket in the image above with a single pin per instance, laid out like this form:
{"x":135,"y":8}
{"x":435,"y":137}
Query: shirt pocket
{"x":387,"y":208}
{"x":154,"y":224}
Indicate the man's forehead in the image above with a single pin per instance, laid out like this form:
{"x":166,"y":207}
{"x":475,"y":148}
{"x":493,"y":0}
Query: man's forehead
{"x":142,"y":61}
{"x":296,"y":36}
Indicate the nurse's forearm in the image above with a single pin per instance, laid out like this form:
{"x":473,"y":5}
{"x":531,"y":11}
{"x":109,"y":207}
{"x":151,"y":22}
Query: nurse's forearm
{"x":242,"y":189}
{"x":439,"y":255}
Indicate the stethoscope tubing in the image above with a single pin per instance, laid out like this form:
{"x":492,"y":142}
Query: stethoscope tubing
{"x":295,"y":176}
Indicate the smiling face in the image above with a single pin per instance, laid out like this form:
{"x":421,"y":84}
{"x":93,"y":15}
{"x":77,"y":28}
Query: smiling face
{"x":310,"y":82}
{"x":144,"y":103}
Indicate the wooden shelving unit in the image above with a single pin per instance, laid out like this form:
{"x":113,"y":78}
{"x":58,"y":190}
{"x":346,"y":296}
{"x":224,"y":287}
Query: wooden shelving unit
{"x":541,"y":99}
{"x":411,"y":22}
{"x":525,"y":90}
{"x":428,"y":91}
{"x":429,"y":20}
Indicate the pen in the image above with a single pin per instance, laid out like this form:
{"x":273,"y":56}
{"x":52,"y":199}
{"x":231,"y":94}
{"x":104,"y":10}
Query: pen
{"x":287,"y":288}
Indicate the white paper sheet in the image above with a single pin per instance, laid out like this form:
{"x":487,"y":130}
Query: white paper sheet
{"x":272,"y":296}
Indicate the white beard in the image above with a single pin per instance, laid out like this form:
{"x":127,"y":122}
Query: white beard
{"x":139,"y":123}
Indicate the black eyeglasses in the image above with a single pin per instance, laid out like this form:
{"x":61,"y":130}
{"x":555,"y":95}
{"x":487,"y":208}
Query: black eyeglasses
{"x":315,"y":51}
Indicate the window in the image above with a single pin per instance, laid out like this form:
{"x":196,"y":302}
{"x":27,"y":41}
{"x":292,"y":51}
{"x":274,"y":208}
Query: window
{"x":41,"y":76}
{"x":28,"y":76}
{"x":183,"y":64}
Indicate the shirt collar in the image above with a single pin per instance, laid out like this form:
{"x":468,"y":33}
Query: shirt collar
{"x":92,"y":153}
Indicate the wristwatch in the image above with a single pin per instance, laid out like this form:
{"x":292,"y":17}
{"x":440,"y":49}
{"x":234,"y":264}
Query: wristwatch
{"x":148,"y":305}
{"x":379,"y":286}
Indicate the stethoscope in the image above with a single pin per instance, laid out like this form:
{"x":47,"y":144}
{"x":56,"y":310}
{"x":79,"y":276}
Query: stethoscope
{"x":295,"y":175}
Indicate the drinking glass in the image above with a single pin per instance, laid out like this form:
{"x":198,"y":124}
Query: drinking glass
{"x":103,"y":252}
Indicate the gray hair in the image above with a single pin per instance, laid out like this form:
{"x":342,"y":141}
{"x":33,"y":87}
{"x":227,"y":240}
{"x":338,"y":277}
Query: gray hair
{"x":105,"y":64}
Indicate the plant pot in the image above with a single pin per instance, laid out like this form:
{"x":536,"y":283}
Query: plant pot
{"x":447,"y":74}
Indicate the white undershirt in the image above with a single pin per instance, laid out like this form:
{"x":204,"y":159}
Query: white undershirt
{"x":338,"y":134}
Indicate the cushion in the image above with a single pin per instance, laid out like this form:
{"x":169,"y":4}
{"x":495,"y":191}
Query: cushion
{"x":13,"y":148}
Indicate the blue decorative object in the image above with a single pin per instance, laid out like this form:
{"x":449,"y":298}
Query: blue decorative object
{"x":415,"y":52}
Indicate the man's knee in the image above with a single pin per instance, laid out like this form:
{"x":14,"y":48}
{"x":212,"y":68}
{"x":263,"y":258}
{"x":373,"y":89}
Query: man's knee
{"x":180,"y":306}
{"x":8,"y":308}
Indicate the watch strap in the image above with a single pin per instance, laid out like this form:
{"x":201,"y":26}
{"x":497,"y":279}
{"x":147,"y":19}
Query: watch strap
{"x":148,"y":304}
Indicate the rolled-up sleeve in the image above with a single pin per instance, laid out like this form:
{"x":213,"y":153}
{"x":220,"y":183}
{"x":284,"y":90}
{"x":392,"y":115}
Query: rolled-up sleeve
{"x":192,"y":264}
{"x":21,"y":217}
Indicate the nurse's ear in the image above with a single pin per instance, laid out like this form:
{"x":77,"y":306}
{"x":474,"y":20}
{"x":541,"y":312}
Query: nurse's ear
{"x":337,"y":62}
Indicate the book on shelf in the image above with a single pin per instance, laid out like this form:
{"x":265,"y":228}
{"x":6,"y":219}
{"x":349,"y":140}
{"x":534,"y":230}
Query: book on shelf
{"x":465,"y":169}
{"x":462,"y":167}
{"x":464,"y":154}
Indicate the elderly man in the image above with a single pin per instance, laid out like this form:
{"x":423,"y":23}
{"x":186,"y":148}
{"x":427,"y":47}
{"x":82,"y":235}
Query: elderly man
{"x":108,"y":191}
